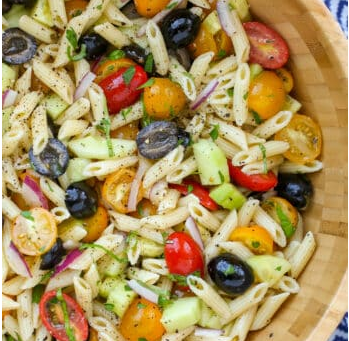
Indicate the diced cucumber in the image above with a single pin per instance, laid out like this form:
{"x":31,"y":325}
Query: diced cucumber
{"x":41,"y":12}
{"x":9,"y":76}
{"x":181,"y":314}
{"x":95,"y":147}
{"x":212,"y":23}
{"x":209,"y":319}
{"x":268,"y":268}
{"x":212,"y":163}
{"x":255,"y":70}
{"x":65,"y":228}
{"x":75,"y":168}
{"x":114,"y":268}
{"x":242,"y":8}
{"x":291,"y":104}
{"x":228,"y":196}
{"x":121,"y":297}
{"x":54,"y":105}
{"x":150,"y":248}
{"x":106,"y":287}
{"x":14,"y":15}
{"x":6,"y":113}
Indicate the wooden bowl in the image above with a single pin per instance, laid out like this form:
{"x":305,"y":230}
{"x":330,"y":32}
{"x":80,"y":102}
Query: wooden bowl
{"x":319,"y":65}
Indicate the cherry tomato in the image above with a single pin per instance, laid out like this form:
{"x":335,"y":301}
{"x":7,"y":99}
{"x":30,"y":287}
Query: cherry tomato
{"x":286,"y":78}
{"x":256,"y":238}
{"x":95,"y":225}
{"x":121,"y":87}
{"x":164,"y":98}
{"x":34,"y":231}
{"x":144,"y":209}
{"x":107,"y":67}
{"x":268,"y":48}
{"x":51,"y":314}
{"x":127,"y":132}
{"x":116,"y":189}
{"x":266,"y":95}
{"x":148,"y":8}
{"x":255,"y":182}
{"x":304,"y":137}
{"x":199,"y":191}
{"x":74,"y":8}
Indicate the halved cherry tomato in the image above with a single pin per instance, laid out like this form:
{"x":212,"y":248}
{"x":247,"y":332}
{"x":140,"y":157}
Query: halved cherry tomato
{"x":107,"y":67}
{"x":52,"y":316}
{"x":255,"y":182}
{"x":286,"y":78}
{"x":164,"y":98}
{"x":267,"y":95}
{"x":144,"y":209}
{"x":255,"y":237}
{"x":148,"y":8}
{"x":74,"y":8}
{"x":304,"y":137}
{"x":34,"y":231}
{"x":121,"y":87}
{"x":116,"y":189}
{"x":126,"y":132}
{"x":268,"y":48}
{"x":142,"y":321}
{"x":199,"y":191}
{"x":95,"y":225}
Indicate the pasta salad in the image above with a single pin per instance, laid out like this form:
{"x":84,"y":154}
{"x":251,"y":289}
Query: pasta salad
{"x":154,"y":171}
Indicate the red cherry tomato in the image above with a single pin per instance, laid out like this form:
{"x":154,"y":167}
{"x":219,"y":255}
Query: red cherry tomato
{"x":183,"y":255}
{"x":199,"y":191}
{"x":268,"y":48}
{"x":120,"y":88}
{"x":255,"y":182}
{"x":52,"y":316}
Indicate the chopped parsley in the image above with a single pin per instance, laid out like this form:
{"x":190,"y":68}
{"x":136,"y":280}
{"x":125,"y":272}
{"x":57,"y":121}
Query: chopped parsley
{"x":190,"y":188}
{"x":128,"y":75}
{"x":278,"y":268}
{"x":148,"y":83}
{"x":214,"y":133}
{"x":256,"y":245}
{"x":127,"y":288}
{"x":149,"y":63}
{"x":146,"y":119}
{"x":264,"y":154}
{"x":27,"y":215}
{"x":256,"y":117}
{"x":77,"y":13}
{"x":79,"y":56}
{"x":38,"y":291}
{"x":47,"y":275}
{"x":182,"y":280}
{"x":229,"y":270}
{"x":99,"y":7}
{"x":221,"y":53}
{"x":164,"y":236}
{"x":116,"y":54}
{"x":73,"y":41}
{"x":109,"y":306}
{"x":171,"y":6}
{"x":68,"y":329}
{"x":108,"y":252}
{"x":221,"y":176}
{"x":142,"y":339}
{"x":140,"y":209}
{"x":130,"y":236}
{"x":163,"y":301}
{"x":125,"y":112}
{"x":104,"y":127}
{"x":141,"y":306}
{"x":285,"y":222}
{"x":72,"y":38}
{"x":230,"y":92}
{"x":245,"y":96}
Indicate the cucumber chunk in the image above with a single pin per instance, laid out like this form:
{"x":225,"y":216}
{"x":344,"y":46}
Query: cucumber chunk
{"x":242,"y":8}
{"x":181,"y":314}
{"x":9,"y":76}
{"x":54,"y":105}
{"x":107,"y":286}
{"x":209,"y":319}
{"x":114,"y":268}
{"x":227,"y":196}
{"x":14,"y":14}
{"x":255,"y":70}
{"x":75,"y":168}
{"x":212,"y":23}
{"x":150,"y":248}
{"x":41,"y":12}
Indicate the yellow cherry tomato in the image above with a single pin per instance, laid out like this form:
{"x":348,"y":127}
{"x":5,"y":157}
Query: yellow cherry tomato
{"x":267,"y":95}
{"x":256,"y":238}
{"x":126,"y":132}
{"x":148,"y":8}
{"x":107,"y":67}
{"x":144,"y":209}
{"x":164,"y":98}
{"x":74,"y":8}
{"x":95,"y":225}
{"x":286,"y":78}
{"x":34,"y":231}
{"x":142,"y":320}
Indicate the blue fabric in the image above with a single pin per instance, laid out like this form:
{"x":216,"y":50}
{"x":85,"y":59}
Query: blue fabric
{"x":341,"y":333}
{"x":339,"y":9}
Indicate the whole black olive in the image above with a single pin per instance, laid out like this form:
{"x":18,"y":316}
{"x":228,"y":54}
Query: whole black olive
{"x":296,"y":188}
{"x":231,"y":274}
{"x":18,"y":47}
{"x":180,"y":28}
{"x":183,"y":137}
{"x":6,"y":6}
{"x":27,"y":3}
{"x":53,"y":256}
{"x":81,"y":200}
{"x":52,"y":161}
{"x":136,"y":53}
{"x":96,"y":45}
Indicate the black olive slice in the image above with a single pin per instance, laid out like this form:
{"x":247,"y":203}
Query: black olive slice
{"x":183,"y":137}
{"x":96,"y":45}
{"x":53,"y":256}
{"x":136,"y":53}
{"x":18,"y":47}
{"x":52,"y":161}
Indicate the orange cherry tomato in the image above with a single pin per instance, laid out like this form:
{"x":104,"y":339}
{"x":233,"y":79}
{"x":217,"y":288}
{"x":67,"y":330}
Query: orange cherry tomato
{"x":116,"y":189}
{"x":266,"y":96}
{"x":142,"y":320}
{"x":304,"y":137}
{"x":34,"y":231}
{"x":164,"y":98}
{"x":148,"y":8}
{"x":127,"y":132}
{"x":107,"y":67}
{"x":286,"y":78}
{"x":95,"y":225}
{"x":144,"y":209}
{"x":74,"y":8}
{"x":256,"y":238}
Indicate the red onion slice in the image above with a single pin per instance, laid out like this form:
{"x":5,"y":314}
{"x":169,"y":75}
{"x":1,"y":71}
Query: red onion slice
{"x":32,"y":193}
{"x":205,"y":332}
{"x":143,"y":291}
{"x":84,"y":84}
{"x":95,"y":64}
{"x":194,"y":232}
{"x":9,"y":98}
{"x":17,"y":261}
{"x":70,"y":258}
{"x":204,"y":94}
{"x":225,"y":17}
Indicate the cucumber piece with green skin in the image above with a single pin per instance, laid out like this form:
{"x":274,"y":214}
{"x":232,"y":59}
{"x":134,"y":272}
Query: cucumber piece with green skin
{"x":9,"y":76}
{"x":106,"y":287}
{"x":6,"y":113}
{"x":75,"y":169}
{"x":114,"y":268}
{"x":182,"y":313}
{"x":95,"y":147}
{"x":242,"y":7}
{"x":268,"y":269}
{"x":255,"y":70}
{"x":227,"y":196}
{"x":54,"y":105}
{"x":41,"y":13}
{"x":14,"y":14}
{"x":149,"y":248}
{"x":212,"y":163}
{"x":212,"y":23}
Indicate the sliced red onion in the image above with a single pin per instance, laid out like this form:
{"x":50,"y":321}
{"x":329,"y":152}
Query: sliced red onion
{"x":194,"y":231}
{"x":95,"y":64}
{"x":161,"y":15}
{"x":9,"y":98}
{"x":17,"y":261}
{"x":84,"y":84}
{"x":136,"y":183}
{"x":204,"y":94}
{"x":32,"y":193}
{"x":143,"y":291}
{"x":205,"y":332}
{"x":225,"y":17}
{"x":70,"y":258}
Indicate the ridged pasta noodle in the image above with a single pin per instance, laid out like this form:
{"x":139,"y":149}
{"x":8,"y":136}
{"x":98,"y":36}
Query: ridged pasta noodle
{"x":241,"y":88}
{"x":36,"y":29}
{"x":58,"y":13}
{"x":112,"y":35}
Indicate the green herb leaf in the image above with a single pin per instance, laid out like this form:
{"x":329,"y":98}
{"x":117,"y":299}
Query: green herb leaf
{"x":278,"y":268}
{"x":256,"y":245}
{"x":141,"y":306}
{"x":182,"y":280}
{"x":109,"y":306}
{"x":230,"y":92}
{"x":140,"y":209}
{"x":229,"y":270}
{"x":172,"y":112}
{"x":164,"y":236}
{"x":116,"y":54}
{"x":131,"y":235}
{"x":77,"y":13}
{"x":128,"y":75}
{"x":27,"y":215}
{"x":256,"y":117}
{"x":146,"y":119}
{"x":79,"y":56}
{"x":190,"y":188}
{"x":104,"y":127}
{"x":72,"y":38}
{"x":188,"y":75}
{"x":285,"y":222}
{"x":127,"y":288}
{"x":108,"y":252}
{"x":214,"y":133}
{"x":142,"y":339}
{"x":163,"y":301}
{"x":148,"y":83}
{"x":264,"y":154}
{"x":9,"y":338}
{"x":68,"y":329}
{"x":221,"y":176}
{"x":149,"y":63}
{"x":171,"y":6}
{"x":38,"y":291}
{"x":221,"y":53}
{"x":99,"y":7}
{"x":47,"y":275}
{"x":125,"y":112}
{"x":245,"y":96}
